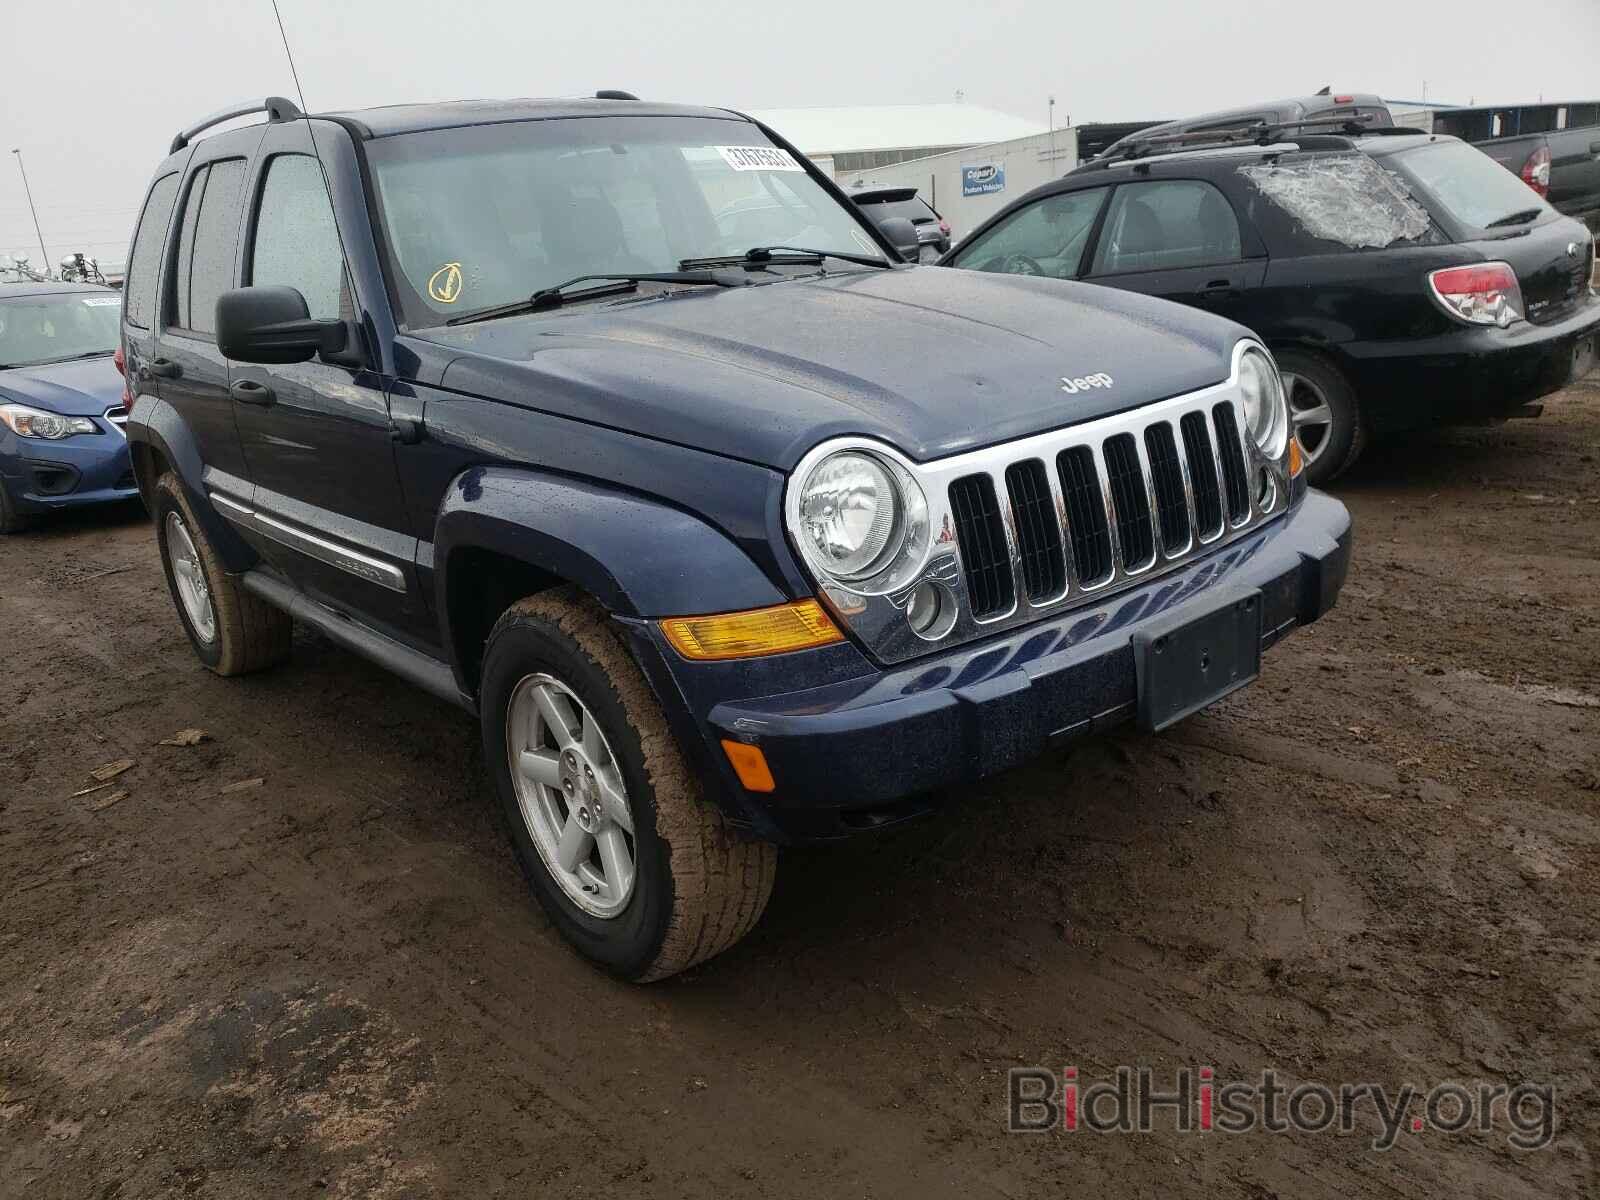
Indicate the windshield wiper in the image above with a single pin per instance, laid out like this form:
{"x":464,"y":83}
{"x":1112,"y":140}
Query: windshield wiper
{"x":764,"y":254}
{"x":556,"y":294}
{"x":1521,"y":217}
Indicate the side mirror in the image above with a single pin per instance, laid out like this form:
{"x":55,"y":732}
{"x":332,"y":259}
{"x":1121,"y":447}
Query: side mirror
{"x":273,"y":325}
{"x":902,"y":235}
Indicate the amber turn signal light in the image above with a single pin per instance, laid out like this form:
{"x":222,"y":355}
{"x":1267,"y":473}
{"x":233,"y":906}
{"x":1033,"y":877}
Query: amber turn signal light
{"x":751,"y":634}
{"x":750,"y":765}
{"x":1294,"y":458}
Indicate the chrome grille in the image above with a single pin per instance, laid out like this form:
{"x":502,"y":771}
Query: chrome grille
{"x":1130,"y":494}
{"x":1039,"y":525}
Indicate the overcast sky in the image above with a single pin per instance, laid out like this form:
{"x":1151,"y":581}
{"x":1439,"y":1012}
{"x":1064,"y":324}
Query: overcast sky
{"x":94,"y":89}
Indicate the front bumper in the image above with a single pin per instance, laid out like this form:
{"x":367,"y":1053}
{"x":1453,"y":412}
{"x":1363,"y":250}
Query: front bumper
{"x":91,"y":468}
{"x":857,"y":753}
{"x":1467,"y":375}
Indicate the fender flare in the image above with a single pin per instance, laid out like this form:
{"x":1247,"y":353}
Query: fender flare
{"x":638,"y":557}
{"x":154,"y":423}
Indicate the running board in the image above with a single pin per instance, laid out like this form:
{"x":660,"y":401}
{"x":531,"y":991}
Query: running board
{"x":413,"y":666}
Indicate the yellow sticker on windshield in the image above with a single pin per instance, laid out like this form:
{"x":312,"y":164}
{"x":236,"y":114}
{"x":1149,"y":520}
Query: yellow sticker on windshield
{"x":444,"y":285}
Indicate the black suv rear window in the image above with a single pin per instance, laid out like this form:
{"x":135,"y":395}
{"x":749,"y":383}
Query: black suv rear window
{"x":914,"y":210}
{"x":1467,"y":184}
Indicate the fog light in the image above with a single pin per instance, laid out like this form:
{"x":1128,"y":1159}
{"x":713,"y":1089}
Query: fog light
{"x":930,"y":610}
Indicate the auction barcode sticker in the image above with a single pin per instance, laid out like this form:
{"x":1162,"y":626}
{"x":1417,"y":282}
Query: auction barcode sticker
{"x":102,"y":301}
{"x":758,"y":158}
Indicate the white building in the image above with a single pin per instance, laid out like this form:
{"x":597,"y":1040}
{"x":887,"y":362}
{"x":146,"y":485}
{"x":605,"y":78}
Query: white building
{"x":852,"y":140}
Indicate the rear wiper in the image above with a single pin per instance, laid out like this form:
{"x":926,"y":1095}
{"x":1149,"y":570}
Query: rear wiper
{"x":1521,"y":217}
{"x":556,"y":294}
{"x":764,"y":254}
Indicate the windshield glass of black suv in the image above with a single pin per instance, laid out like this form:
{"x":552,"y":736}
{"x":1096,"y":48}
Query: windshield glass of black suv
{"x":485,"y":216}
{"x":53,"y":328}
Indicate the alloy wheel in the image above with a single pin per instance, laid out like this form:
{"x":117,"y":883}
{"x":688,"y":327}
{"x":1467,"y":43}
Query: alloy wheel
{"x":1310,"y":416}
{"x":194,"y":593}
{"x":571,"y":795}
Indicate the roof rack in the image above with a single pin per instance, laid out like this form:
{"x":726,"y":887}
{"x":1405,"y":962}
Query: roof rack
{"x":1260,"y":133}
{"x":276,"y":108}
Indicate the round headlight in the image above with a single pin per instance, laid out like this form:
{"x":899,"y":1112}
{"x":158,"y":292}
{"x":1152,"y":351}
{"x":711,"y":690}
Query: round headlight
{"x":1266,"y":411}
{"x":851,"y":515}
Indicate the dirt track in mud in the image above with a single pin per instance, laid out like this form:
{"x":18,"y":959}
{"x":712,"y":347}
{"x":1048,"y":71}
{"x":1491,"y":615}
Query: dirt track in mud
{"x":1382,"y":863}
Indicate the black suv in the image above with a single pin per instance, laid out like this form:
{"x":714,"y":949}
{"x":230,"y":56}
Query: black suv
{"x":1400,"y":279}
{"x":883,"y":204}
{"x":725,"y":545}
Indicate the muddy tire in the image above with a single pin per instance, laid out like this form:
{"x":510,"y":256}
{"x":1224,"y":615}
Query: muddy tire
{"x":636,"y":868}
{"x":1324,"y":415}
{"x":11,"y":521}
{"x":232,"y":631}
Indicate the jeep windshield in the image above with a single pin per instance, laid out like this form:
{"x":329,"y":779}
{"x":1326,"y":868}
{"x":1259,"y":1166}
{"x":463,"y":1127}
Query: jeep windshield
{"x":485,"y":216}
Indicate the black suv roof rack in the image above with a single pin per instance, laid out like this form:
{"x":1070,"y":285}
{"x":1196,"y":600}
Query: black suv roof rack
{"x":276,"y":108}
{"x":1260,"y":133}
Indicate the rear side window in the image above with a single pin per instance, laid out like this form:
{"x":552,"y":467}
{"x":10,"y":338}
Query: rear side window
{"x":206,"y":241}
{"x":296,"y":242}
{"x":144,"y":260}
{"x":215,"y":239}
{"x":1045,"y":238}
{"x":1166,"y":224}
{"x":1325,"y":203}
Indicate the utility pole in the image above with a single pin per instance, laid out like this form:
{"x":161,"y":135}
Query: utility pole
{"x":27,"y":191}
{"x":1052,"y":132}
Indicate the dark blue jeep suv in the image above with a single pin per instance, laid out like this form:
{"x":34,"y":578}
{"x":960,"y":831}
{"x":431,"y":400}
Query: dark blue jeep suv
{"x":726,"y":545}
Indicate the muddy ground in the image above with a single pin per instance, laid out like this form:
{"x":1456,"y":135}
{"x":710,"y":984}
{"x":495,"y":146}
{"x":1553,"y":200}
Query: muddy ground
{"x":1380,"y":864}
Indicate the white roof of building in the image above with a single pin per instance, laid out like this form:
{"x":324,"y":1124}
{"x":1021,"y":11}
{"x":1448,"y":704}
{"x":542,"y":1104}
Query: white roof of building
{"x":894,"y":126}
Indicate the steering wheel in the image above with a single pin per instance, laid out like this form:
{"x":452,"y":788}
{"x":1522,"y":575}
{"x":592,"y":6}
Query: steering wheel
{"x":1021,"y":264}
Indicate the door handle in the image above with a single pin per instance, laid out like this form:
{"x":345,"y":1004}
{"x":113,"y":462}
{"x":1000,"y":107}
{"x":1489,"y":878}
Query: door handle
{"x":248,"y":391}
{"x":1218,"y":288}
{"x":161,"y":368}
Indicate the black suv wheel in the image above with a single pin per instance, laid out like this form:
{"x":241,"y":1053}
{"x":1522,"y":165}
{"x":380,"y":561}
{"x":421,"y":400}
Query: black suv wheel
{"x":633,"y":865}
{"x":1324,"y":416}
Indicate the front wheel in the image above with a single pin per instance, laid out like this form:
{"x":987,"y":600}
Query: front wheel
{"x":638,"y":871}
{"x":1324,"y":415}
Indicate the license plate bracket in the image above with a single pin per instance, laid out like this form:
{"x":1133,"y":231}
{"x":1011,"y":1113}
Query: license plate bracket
{"x":1196,"y":655}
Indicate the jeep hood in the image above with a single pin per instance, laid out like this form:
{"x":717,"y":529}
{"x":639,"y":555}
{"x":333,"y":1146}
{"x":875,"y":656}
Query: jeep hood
{"x":83,"y":387}
{"x":931,"y":360}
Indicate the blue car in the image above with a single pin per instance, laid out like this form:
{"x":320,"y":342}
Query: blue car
{"x":61,"y":401}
